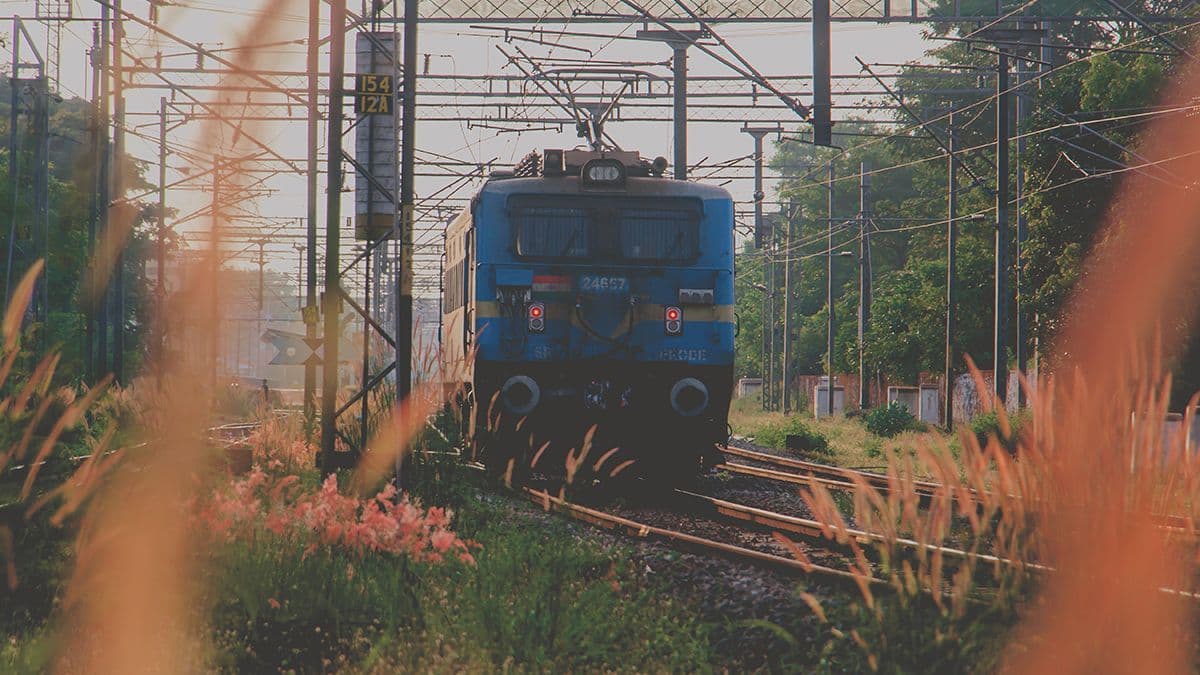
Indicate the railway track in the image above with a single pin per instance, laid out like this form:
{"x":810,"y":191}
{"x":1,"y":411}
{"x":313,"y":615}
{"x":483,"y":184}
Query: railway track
{"x":788,"y":470}
{"x":683,"y":540}
{"x":802,"y":472}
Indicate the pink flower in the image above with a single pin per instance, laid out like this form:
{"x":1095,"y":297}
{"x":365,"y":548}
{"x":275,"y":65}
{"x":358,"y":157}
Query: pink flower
{"x":442,"y":541}
{"x":276,"y":523}
{"x":438,"y":517}
{"x":273,"y":603}
{"x":388,"y":523}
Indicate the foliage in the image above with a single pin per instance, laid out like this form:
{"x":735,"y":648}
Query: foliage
{"x":290,"y":560}
{"x":775,"y":436}
{"x":1071,"y":171}
{"x":255,"y":506}
{"x":238,"y":402}
{"x":71,"y":145}
{"x":928,"y":608}
{"x":278,"y":602}
{"x":55,"y":446}
{"x":986,"y":426}
{"x":889,"y":420}
{"x":279,"y":446}
{"x":575,"y":608}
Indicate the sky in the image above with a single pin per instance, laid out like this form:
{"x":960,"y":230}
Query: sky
{"x":774,"y":49}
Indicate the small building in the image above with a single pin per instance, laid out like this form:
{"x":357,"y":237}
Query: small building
{"x":748,"y":386}
{"x":908,"y":397}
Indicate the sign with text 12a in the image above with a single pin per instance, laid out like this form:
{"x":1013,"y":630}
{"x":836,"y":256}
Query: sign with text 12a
{"x":373,"y":94}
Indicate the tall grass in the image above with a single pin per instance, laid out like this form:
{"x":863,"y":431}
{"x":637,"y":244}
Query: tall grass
{"x":1021,"y":511}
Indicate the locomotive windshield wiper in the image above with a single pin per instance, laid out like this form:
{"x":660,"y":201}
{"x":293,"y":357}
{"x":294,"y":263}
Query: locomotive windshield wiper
{"x":674,"y":245}
{"x":570,"y":243}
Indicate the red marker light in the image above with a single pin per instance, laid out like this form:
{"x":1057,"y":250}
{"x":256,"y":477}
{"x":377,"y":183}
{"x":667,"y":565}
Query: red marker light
{"x":536,"y":320}
{"x":673,"y":320}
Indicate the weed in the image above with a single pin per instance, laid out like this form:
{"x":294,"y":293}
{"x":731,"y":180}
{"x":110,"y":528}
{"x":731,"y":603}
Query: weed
{"x":889,"y":420}
{"x":986,"y":426}
{"x":776,"y":436}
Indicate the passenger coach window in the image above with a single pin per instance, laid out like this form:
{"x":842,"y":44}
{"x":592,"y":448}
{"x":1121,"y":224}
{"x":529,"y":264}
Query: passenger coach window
{"x":556,"y":232}
{"x":659,"y":234}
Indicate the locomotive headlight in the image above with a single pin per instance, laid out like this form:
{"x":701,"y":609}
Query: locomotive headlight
{"x":520,"y":394}
{"x":689,"y":397}
{"x":603,"y":173}
{"x":536,"y":317}
{"x":673,"y":320}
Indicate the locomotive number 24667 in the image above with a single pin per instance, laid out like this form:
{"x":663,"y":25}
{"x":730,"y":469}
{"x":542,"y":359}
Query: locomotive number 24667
{"x":593,"y":283}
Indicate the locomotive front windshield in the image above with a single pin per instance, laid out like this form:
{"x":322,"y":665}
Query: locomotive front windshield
{"x":636,"y":230}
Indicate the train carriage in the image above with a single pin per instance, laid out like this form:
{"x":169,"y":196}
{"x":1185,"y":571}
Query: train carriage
{"x":594,"y":292}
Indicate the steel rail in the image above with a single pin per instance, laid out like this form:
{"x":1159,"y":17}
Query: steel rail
{"x":827,"y":472}
{"x":811,"y":529}
{"x":816,"y":530}
{"x":684,"y":540}
{"x":834,"y":477}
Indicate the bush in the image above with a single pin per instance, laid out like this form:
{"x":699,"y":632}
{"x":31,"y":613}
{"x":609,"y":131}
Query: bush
{"x":986,"y":425}
{"x":775,"y":435}
{"x":889,"y":420}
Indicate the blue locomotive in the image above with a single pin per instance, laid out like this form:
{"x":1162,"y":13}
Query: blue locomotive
{"x":582,"y":290}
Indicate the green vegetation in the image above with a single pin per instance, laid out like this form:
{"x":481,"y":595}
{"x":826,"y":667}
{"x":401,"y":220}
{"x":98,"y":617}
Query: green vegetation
{"x":775,"y":434}
{"x":71,"y":145}
{"x":1071,"y":175}
{"x":848,"y":441}
{"x":889,"y":420}
{"x":537,"y":598}
{"x":985,"y":426}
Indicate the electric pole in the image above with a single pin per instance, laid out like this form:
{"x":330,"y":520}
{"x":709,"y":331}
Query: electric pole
{"x":678,"y":41}
{"x":951,"y":237}
{"x":214,"y":267}
{"x":103,"y":186}
{"x":679,"y":115}
{"x":332,"y":299}
{"x":299,"y":249}
{"x":864,"y":283}
{"x":1022,"y":105}
{"x":123,"y":218}
{"x":310,"y":313}
{"x":822,"y":108}
{"x":829,"y":327}
{"x":765,"y":234}
{"x":160,"y":289}
{"x":408,"y":149}
{"x":98,"y":133}
{"x":786,"y":216}
{"x":1000,"y":336}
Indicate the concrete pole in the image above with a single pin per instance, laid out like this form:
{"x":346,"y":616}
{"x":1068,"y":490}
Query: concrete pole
{"x":309,"y":313}
{"x":117,"y":176}
{"x":1000,"y":334}
{"x":831,"y":324}
{"x":788,"y":274}
{"x":951,"y":241}
{"x":679,"y":75}
{"x":160,"y":289}
{"x":408,"y":149}
{"x":864,"y":283}
{"x":333,"y":208}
